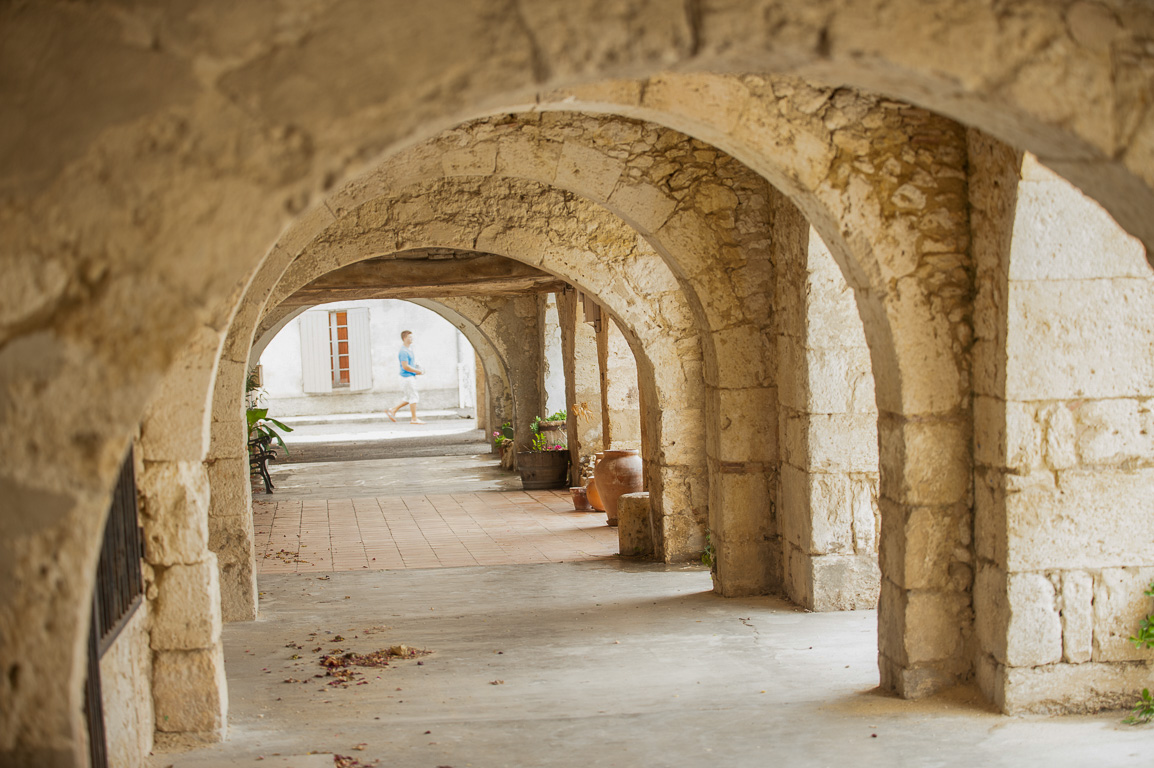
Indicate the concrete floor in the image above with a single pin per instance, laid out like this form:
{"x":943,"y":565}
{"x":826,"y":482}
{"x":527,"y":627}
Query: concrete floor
{"x":599,"y":664}
{"x":365,"y":455}
{"x":602,"y":663}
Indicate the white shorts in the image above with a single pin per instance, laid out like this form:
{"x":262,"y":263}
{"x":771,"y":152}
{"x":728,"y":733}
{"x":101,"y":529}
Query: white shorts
{"x":409,"y":387}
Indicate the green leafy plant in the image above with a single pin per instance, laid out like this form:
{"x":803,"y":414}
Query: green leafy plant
{"x":707,"y":555}
{"x":259,"y":424}
{"x":542,"y":443}
{"x":535,"y":427}
{"x":1144,"y":709}
{"x":503,"y":435}
{"x":1145,"y":636}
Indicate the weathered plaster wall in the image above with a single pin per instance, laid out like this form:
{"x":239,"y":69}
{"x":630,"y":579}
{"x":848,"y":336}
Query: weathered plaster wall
{"x":1064,"y":515}
{"x":829,"y":479}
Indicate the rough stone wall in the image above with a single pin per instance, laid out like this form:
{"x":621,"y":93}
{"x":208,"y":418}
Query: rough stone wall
{"x":188,"y":687}
{"x":582,"y":382}
{"x":620,"y":395}
{"x":154,"y":156}
{"x":1064,"y":517}
{"x":126,"y":688}
{"x":828,"y":505}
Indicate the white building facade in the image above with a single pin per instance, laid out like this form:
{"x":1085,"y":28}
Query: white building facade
{"x":342,"y":358}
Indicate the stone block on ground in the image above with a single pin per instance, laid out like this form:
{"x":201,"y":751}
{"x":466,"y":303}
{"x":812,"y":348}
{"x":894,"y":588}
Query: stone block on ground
{"x":634,"y":532}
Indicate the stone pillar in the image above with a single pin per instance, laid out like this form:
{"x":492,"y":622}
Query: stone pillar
{"x":620,"y":400}
{"x":1064,"y":455}
{"x":188,"y":687}
{"x":230,"y":526}
{"x":552,"y":367}
{"x":582,"y":381}
{"x":829,"y":472}
{"x":484,"y":420}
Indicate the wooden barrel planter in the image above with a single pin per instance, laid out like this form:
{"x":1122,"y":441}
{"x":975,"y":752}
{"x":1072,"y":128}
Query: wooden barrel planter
{"x":543,"y":469}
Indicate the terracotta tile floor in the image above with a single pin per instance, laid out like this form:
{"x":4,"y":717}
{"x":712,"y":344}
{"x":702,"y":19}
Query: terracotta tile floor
{"x":427,"y":531}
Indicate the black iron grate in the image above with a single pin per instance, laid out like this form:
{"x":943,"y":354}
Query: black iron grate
{"x":118,"y":593}
{"x":119,"y":586}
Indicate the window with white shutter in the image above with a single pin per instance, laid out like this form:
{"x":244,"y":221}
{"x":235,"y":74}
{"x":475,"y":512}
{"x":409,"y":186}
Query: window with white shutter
{"x":335,"y":351}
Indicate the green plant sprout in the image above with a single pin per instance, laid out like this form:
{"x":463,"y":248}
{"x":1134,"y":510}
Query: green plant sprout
{"x":1144,"y":709}
{"x":1145,"y":636}
{"x":707,"y":554}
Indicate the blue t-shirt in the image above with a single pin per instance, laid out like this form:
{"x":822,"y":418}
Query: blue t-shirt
{"x":406,"y":356}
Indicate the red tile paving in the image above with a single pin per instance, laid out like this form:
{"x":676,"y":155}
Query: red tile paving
{"x":431,"y":531}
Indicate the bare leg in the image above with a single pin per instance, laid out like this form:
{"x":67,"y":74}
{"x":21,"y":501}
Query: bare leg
{"x":413,"y":410}
{"x":392,"y":412}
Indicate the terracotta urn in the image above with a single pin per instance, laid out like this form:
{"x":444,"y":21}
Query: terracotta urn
{"x":618,"y":472}
{"x":592,"y":495}
{"x":580,"y":498}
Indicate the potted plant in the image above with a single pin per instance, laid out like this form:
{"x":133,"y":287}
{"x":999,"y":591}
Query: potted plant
{"x":261,"y":432}
{"x":546,"y":463}
{"x":503,"y":442}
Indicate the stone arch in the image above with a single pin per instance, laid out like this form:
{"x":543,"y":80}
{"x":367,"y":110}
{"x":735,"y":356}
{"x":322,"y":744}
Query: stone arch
{"x":897,"y":227}
{"x":133,"y":186}
{"x":605,"y":259}
{"x":230,"y":532}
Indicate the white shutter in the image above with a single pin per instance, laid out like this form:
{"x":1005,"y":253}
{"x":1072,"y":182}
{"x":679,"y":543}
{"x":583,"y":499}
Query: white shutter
{"x":316,"y":356}
{"x":360,"y":355}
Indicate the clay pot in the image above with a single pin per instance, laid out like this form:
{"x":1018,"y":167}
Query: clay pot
{"x":618,"y":472}
{"x":593,"y":496}
{"x":580,"y":499}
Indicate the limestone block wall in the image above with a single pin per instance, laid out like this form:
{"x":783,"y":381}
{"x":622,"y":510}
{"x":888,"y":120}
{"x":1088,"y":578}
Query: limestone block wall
{"x":828,"y":492}
{"x":1064,"y":444}
{"x":156,"y":200}
{"x":189,"y":695}
{"x":620,"y":394}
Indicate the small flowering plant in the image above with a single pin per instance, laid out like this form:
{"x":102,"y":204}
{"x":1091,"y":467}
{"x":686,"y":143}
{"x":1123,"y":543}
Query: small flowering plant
{"x":542,"y":443}
{"x":503,"y":435}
